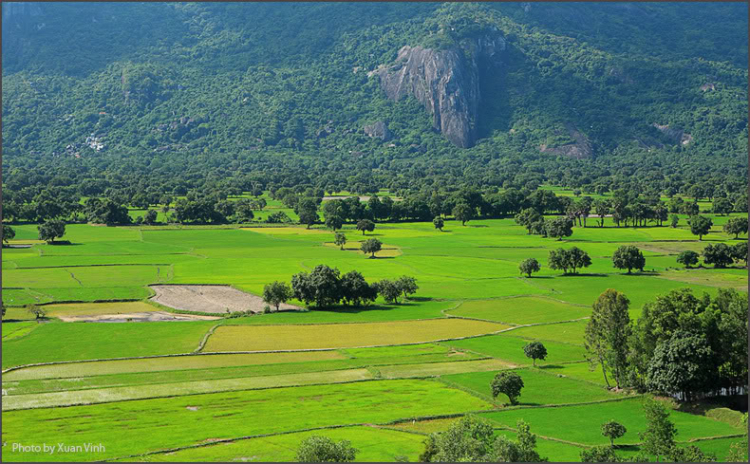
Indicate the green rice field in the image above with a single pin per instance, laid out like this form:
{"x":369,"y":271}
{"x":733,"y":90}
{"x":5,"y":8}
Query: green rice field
{"x":382,"y":376}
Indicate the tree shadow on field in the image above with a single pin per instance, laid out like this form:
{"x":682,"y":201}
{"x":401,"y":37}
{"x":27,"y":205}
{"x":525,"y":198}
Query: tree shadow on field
{"x":361,"y":309}
{"x":539,"y":277}
{"x":63,"y":243}
{"x":381,"y":257}
{"x":584,"y":275}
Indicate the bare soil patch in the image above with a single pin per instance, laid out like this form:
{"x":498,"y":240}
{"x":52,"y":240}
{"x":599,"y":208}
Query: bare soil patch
{"x":150,"y":316}
{"x":209,"y":299}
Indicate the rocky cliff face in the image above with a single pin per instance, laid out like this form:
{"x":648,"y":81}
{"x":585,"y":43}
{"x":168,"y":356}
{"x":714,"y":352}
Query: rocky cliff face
{"x":446,"y":82}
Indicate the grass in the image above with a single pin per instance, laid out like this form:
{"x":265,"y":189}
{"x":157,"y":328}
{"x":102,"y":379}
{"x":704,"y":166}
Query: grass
{"x":128,"y":428}
{"x":292,"y":337}
{"x":539,"y":388}
{"x":582,"y":422}
{"x":521,"y":310}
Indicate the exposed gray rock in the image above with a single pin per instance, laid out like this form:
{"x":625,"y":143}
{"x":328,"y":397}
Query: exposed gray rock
{"x":378,"y":129}
{"x":446,"y":82}
{"x":675,"y":134}
{"x":580,"y":149}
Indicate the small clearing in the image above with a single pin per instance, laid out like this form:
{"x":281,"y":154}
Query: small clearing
{"x":209,"y":299}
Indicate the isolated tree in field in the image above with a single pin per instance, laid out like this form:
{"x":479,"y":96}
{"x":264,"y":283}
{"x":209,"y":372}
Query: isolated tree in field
{"x":607,"y":334}
{"x":509,"y":383}
{"x":559,"y":228}
{"x":739,"y":252}
{"x":372,"y":246}
{"x":700,"y":226}
{"x":599,"y":454}
{"x":681,"y":364}
{"x":8,"y":233}
{"x":407,"y":285}
{"x":3,"y":305}
{"x":439,"y":223}
{"x":37,"y":311}
{"x":613,"y":430}
{"x":688,"y":258}
{"x":389,"y":290}
{"x":340,"y":239}
{"x":535,"y":350}
{"x":720,"y":255}
{"x":276,"y":293}
{"x":365,"y":225}
{"x":674,"y":220}
{"x":569,"y":260}
{"x":322,"y":449}
{"x":736,"y":226}
{"x":528,"y":266}
{"x":150,"y":217}
{"x":463,"y":212}
{"x":628,"y":257}
{"x":658,"y":438}
{"x":51,"y":230}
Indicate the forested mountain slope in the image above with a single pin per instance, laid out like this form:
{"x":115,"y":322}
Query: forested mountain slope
{"x":511,"y":91}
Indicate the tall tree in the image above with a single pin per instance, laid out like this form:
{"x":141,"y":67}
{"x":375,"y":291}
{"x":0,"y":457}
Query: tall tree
{"x":52,"y":229}
{"x":658,"y":438}
{"x":607,"y":333}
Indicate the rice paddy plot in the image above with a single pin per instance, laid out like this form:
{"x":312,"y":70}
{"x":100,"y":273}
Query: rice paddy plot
{"x":373,"y":445}
{"x":539,"y":388}
{"x":115,"y":394}
{"x":436,"y":369}
{"x":510,"y":349}
{"x":564,"y":332}
{"x":139,"y":426}
{"x":286,"y":365}
{"x":172,"y":363}
{"x":582,"y":422}
{"x":521,"y":310}
{"x":58,"y":341}
{"x":301,"y":337}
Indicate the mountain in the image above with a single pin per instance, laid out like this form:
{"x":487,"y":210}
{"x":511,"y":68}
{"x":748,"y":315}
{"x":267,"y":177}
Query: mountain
{"x":88,"y":85}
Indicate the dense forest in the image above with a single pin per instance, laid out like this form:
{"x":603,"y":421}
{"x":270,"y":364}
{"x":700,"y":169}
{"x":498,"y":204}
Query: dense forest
{"x":167,"y":98}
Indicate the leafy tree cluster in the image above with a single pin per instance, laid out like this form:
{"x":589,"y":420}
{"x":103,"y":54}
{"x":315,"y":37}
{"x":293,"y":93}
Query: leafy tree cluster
{"x":570,"y":260}
{"x":680,"y":345}
{"x":472,"y":439}
{"x":325,"y":287}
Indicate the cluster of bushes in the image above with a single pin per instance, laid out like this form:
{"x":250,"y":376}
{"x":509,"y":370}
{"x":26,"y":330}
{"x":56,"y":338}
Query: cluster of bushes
{"x":325,"y":287}
{"x":720,"y":255}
